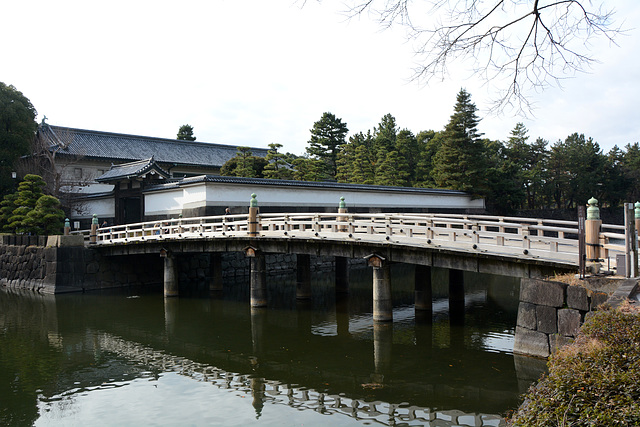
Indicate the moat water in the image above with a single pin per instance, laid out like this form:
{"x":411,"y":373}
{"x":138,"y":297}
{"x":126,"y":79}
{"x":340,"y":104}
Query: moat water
{"x":131,"y":357}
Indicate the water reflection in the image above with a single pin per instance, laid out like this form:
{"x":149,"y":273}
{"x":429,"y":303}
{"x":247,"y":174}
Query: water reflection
{"x":60,"y":356}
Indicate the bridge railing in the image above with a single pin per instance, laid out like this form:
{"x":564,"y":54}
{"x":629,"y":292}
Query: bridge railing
{"x":499,"y":235}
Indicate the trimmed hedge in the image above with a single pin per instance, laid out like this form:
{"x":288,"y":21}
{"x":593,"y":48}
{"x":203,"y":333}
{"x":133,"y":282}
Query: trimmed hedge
{"x":592,"y":382}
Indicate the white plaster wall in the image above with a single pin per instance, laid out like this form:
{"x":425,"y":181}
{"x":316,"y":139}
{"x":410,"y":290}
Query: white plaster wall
{"x":220,"y":194}
{"x":164,"y":202}
{"x":103,"y":207}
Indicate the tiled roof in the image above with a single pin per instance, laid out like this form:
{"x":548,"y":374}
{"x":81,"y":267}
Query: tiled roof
{"x":307,"y":184}
{"x":122,"y":147}
{"x":133,"y":169}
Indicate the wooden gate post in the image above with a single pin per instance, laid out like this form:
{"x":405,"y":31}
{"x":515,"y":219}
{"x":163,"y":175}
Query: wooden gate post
{"x":592,"y":236}
{"x":253,"y":216}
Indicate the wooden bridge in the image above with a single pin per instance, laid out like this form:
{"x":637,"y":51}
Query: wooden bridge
{"x":514,"y":246}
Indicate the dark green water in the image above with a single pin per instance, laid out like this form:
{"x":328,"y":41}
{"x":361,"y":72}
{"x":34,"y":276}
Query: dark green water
{"x":131,"y":357}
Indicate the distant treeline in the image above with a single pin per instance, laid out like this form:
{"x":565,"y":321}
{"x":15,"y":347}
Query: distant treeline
{"x":512,"y":175}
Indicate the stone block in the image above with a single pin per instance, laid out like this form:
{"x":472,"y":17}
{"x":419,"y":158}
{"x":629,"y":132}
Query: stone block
{"x":542,"y":292}
{"x":577,"y":298}
{"x":531,"y":343}
{"x":547,"y":320}
{"x":568,"y":322}
{"x":63,"y":241}
{"x":556,"y":342}
{"x":597,"y":299}
{"x":527,"y":316}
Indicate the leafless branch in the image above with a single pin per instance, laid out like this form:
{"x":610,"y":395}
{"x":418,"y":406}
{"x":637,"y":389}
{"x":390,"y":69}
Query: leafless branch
{"x":516,"y":46}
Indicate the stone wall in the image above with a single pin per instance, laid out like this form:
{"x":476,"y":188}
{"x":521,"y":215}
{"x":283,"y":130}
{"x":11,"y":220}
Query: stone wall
{"x":58,"y":264}
{"x":550,"y":315}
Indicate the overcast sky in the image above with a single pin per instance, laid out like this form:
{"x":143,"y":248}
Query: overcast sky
{"x":253,"y":72}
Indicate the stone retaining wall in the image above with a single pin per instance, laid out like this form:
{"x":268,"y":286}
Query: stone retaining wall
{"x":60,"y":264}
{"x":550,"y":315}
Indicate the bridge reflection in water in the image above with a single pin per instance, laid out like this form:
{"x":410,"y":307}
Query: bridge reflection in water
{"x":322,"y":357}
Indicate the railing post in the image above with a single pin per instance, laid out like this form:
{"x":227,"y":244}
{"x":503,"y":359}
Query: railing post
{"x":253,"y":216}
{"x":592,"y":236}
{"x":342,"y":209}
{"x":67,"y":227}
{"x":93,"y":236}
{"x":631,"y":242}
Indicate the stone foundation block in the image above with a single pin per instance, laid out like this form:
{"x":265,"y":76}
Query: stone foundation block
{"x":531,"y":343}
{"x":547,"y":320}
{"x":527,"y":316}
{"x":577,"y":298}
{"x":568,"y":322}
{"x":541,"y":292}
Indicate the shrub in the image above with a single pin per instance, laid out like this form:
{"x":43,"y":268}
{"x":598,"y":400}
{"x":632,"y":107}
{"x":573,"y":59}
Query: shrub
{"x":593,"y":382}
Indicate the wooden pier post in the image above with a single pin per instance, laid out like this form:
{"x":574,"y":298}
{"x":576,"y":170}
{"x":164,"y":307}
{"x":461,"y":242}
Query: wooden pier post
{"x":170,"y":274}
{"x":303,"y":276}
{"x":456,"y":296}
{"x":342,"y":274}
{"x":258,"y":278}
{"x":382,"y":303}
{"x":423,"y":294}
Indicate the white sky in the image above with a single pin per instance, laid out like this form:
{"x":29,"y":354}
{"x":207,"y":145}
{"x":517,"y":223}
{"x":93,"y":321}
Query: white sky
{"x":253,"y":72}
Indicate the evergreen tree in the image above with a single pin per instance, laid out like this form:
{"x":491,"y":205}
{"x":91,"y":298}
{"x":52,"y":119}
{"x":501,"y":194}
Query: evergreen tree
{"x":7,"y":207}
{"x":278,"y":166}
{"x":17,"y":132}
{"x":356,"y":161}
{"x":505,"y":189}
{"x":327,"y":139}
{"x":306,"y":169}
{"x":385,"y":135}
{"x":630,"y":166}
{"x":46,"y":218}
{"x":387,"y":171}
{"x":244,"y":164}
{"x":408,"y":155}
{"x":185,"y":133}
{"x":428,"y":144}
{"x":28,"y":193}
{"x":459,"y":162}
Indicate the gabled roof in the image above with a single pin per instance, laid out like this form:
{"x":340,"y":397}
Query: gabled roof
{"x":121,"y":147}
{"x":133,"y":170}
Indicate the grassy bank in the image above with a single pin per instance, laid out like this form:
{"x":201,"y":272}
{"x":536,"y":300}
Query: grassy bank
{"x":592,"y":382}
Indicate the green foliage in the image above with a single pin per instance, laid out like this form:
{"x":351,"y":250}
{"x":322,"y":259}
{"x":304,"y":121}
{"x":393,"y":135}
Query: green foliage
{"x":327,"y":139}
{"x":279,"y":165}
{"x":306,"y":169}
{"x":244,"y":164}
{"x":185,"y":133}
{"x":459,"y":162}
{"x":46,"y":218}
{"x":17,"y":131}
{"x":592,"y":382}
{"x":29,"y":211}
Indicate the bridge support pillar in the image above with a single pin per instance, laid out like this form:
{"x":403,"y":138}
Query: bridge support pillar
{"x":215,"y":272}
{"x":303,"y":279}
{"x":382,"y":345}
{"x":258,"y":281}
{"x":456,"y":296}
{"x":170,"y":275}
{"x":382,"y":303}
{"x":342,"y":275}
{"x":423,"y":295}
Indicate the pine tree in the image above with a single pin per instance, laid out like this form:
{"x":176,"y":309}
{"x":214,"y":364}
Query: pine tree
{"x":387,"y":171}
{"x":327,"y":139}
{"x":185,"y":133}
{"x":28,"y":193}
{"x":278,"y":167}
{"x":385,"y":135}
{"x":408,"y":155}
{"x":46,"y":218}
{"x":459,"y":162}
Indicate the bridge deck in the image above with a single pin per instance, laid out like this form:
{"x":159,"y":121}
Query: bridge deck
{"x":522,"y":238}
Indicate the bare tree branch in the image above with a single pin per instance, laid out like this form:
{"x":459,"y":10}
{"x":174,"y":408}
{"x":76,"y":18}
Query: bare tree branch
{"x":517,"y":46}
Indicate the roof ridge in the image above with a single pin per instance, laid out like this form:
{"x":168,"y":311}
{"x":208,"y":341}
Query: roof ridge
{"x":155,"y":138}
